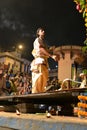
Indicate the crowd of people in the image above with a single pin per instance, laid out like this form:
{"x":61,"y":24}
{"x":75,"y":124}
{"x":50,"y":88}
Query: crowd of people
{"x":14,"y":84}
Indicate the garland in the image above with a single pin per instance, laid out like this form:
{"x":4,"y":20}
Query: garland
{"x":80,"y":97}
{"x":82,"y":113}
{"x":81,"y":6}
{"x":83,"y":105}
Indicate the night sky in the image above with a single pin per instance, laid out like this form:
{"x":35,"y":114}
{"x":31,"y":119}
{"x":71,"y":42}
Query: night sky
{"x":19,"y":20}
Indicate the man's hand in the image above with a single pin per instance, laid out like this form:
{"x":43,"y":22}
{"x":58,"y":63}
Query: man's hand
{"x":55,"y":57}
{"x":51,"y":48}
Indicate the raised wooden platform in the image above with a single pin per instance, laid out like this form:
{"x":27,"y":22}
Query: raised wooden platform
{"x":58,"y":96}
{"x":53,"y":97}
{"x":26,"y":102}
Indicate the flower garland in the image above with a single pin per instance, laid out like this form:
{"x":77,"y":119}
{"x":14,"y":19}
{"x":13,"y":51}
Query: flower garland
{"x":80,"y":97}
{"x":81,"y":6}
{"x":82,"y":113}
{"x":83,"y":105}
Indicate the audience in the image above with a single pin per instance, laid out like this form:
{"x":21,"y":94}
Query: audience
{"x":14,"y":84}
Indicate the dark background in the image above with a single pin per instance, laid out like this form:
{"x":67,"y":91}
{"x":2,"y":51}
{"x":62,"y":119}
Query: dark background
{"x":19,"y":20}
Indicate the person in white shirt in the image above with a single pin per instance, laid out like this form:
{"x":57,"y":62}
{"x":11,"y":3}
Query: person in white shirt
{"x":83,"y":83}
{"x":39,"y":65}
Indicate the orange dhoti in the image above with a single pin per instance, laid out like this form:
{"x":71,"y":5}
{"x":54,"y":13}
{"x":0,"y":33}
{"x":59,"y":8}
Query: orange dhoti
{"x":39,"y":78}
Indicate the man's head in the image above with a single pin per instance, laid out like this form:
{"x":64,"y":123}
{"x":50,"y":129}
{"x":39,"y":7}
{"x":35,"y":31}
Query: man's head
{"x":82,"y":75}
{"x":40,"y":31}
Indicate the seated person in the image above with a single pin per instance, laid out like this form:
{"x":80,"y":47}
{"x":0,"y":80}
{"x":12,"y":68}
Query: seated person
{"x":83,"y":78}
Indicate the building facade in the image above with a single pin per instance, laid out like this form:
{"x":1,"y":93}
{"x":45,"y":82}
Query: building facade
{"x":13,"y":60}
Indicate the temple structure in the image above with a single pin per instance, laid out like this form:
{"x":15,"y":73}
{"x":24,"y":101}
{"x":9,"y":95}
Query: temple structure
{"x":70,"y":63}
